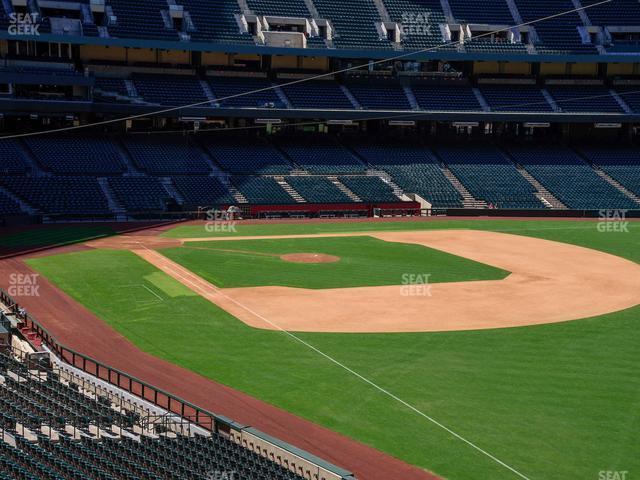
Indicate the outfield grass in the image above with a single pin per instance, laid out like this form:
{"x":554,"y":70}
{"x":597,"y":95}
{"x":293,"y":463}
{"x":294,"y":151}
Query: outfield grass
{"x":555,"y":401}
{"x":364,"y":261}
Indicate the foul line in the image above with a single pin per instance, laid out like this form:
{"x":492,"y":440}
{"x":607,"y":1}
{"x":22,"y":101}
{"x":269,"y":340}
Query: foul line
{"x":348,"y":369}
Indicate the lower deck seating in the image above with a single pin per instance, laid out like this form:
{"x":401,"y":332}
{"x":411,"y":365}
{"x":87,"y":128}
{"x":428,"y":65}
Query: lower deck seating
{"x":622,"y":164}
{"x":203,"y":191}
{"x":76,"y":155}
{"x":144,"y":449}
{"x":247,"y":155}
{"x":12,"y":158}
{"x":261,"y":190}
{"x":488,"y":175}
{"x":318,"y":189}
{"x":8,"y":206}
{"x":369,"y":189}
{"x":159,"y":156}
{"x":60,"y":195}
{"x":137,"y":194}
{"x":416,"y":170}
{"x":322,"y":156}
{"x":570,"y":179}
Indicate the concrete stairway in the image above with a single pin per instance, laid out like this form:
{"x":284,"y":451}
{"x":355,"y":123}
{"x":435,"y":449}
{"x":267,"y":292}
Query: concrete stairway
{"x":132,"y":170}
{"x":171,"y":190}
{"x":236,"y":194}
{"x":627,"y":109}
{"x":550,"y":100}
{"x":352,"y":99}
{"x":468,"y":200}
{"x":542,"y":193}
{"x":612,"y":181}
{"x":207,"y":91}
{"x":281,"y":95}
{"x":386,"y":178}
{"x":290,"y":190}
{"x":24,"y":206}
{"x":343,"y":188}
{"x":113,"y":203}
{"x":411,"y":97}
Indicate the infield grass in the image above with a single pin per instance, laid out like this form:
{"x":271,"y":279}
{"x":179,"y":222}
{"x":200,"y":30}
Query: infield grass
{"x":558,"y":401}
{"x":364,"y":261}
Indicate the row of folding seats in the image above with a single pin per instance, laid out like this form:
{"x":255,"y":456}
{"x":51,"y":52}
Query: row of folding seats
{"x":317,"y":94}
{"x":246,"y":155}
{"x":316,"y":189}
{"x":261,"y":190}
{"x":113,"y":85}
{"x":49,"y":402}
{"x":515,"y":98}
{"x":214,"y":21}
{"x":12,"y":158}
{"x":415,"y":169}
{"x":76,"y":155}
{"x":290,"y":8}
{"x":174,"y":90}
{"x":137,"y":194}
{"x":559,"y":34}
{"x":622,"y":164}
{"x":369,"y":189}
{"x":488,"y":175}
{"x":202,"y":191}
{"x":389,"y":97}
{"x":59,"y":195}
{"x":226,"y":88}
{"x":446,"y":97}
{"x":8,"y":206}
{"x":140,"y":19}
{"x":584,"y":99}
{"x":354,"y":23}
{"x":570,"y":179}
{"x":159,"y":156}
{"x":322,"y":156}
{"x":420,"y":21}
{"x":328,"y":94}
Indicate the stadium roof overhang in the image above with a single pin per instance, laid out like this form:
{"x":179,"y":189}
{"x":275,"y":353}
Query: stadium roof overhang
{"x":324,"y":52}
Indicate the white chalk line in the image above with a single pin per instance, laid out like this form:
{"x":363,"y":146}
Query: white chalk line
{"x":338,"y":363}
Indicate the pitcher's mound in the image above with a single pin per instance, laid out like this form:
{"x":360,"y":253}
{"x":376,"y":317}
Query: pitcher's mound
{"x":309,"y":258}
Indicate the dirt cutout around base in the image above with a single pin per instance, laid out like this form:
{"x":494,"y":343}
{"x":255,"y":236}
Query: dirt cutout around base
{"x":550,"y":282}
{"x":309,"y":258}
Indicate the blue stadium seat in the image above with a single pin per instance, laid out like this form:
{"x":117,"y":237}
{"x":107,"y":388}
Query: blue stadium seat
{"x":570,"y":179}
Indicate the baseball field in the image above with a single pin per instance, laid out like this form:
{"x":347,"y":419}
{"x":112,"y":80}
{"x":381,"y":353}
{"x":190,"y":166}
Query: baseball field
{"x":473,"y":349}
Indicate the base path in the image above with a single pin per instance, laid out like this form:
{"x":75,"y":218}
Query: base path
{"x":76,"y":327}
{"x":550,"y":282}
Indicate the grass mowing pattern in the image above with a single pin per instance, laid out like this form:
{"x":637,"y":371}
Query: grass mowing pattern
{"x":553,"y":401}
{"x":364,"y":261}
